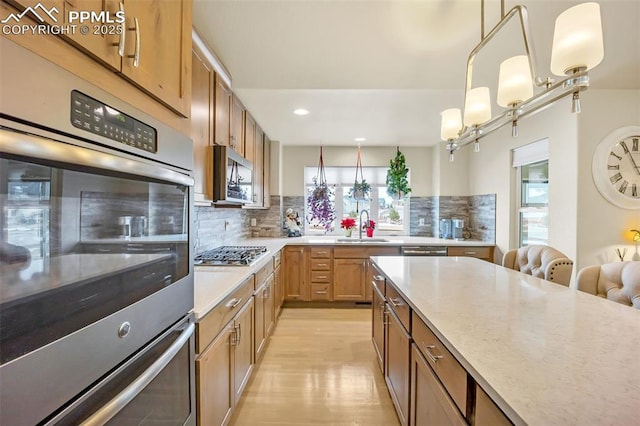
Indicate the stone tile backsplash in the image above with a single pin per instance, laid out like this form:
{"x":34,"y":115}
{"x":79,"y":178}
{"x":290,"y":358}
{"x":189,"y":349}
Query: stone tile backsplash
{"x":215,"y":226}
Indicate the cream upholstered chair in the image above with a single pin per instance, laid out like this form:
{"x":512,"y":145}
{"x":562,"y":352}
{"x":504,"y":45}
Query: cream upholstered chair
{"x":619,"y":281}
{"x":540,"y":261}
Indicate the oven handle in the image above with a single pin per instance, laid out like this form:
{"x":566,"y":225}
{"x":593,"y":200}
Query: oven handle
{"x":121,"y":400}
{"x":48,"y":149}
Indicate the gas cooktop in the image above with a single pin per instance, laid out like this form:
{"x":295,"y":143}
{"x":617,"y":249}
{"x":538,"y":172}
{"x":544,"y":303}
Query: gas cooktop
{"x":230,"y":256}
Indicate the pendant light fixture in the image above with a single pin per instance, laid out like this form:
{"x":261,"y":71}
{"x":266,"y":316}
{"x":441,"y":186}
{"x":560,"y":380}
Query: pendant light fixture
{"x":577,"y":48}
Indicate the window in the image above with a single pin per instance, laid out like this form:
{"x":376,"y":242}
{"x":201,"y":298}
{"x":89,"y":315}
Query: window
{"x":534,"y":204}
{"x":532,"y":171}
{"x":391,"y":215}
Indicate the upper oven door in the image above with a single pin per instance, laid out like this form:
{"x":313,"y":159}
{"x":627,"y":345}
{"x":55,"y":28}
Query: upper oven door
{"x":94,"y":262}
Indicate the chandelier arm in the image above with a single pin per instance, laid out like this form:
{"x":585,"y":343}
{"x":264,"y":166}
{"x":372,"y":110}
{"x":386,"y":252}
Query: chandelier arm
{"x":577,"y":82}
{"x":521,"y":11}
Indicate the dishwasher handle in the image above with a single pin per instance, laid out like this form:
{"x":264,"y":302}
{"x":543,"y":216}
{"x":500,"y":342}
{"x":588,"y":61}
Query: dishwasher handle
{"x":423,"y":251}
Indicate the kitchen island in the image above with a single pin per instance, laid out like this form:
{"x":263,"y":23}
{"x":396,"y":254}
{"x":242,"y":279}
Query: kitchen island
{"x":544,"y":353}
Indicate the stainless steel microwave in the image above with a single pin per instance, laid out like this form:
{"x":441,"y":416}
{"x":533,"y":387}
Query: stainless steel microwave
{"x":233,"y":177}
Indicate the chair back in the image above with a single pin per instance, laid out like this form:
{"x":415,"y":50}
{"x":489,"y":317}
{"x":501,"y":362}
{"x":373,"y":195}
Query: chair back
{"x":618,"y":281}
{"x":540,"y":261}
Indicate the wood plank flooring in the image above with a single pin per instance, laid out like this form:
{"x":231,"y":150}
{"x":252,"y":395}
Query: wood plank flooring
{"x":319,"y":368}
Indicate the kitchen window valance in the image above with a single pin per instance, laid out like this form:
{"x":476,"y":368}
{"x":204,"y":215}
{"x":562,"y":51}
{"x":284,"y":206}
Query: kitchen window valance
{"x":531,"y":153}
{"x":338,"y":175}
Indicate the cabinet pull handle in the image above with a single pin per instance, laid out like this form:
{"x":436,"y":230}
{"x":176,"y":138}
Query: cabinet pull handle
{"x":233,"y":303}
{"x":240,"y":333}
{"x":123,"y":33}
{"x":136,"y":52}
{"x":378,"y":277}
{"x":321,"y":292}
{"x":394,"y":302}
{"x":431,"y":356}
{"x":469,"y":252}
{"x":234,"y":336}
{"x":385,"y":315}
{"x":321,"y":265}
{"x":322,"y":277}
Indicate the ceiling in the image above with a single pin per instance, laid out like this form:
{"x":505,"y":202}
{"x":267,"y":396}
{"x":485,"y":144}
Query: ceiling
{"x":384,"y":70}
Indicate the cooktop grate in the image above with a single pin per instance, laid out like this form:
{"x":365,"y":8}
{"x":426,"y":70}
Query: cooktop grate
{"x":230,"y":255}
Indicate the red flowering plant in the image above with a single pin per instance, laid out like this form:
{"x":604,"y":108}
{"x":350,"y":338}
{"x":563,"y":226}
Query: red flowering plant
{"x":369,"y":224}
{"x":348,"y":223}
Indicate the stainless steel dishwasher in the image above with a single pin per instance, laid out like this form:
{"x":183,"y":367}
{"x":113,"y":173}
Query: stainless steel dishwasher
{"x":424,"y":251}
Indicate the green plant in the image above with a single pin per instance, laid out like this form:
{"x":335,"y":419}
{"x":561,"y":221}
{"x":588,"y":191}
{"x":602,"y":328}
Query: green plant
{"x":397,"y":180}
{"x":394,"y":216}
{"x":360,"y":190}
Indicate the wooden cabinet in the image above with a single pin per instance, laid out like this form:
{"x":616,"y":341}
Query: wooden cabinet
{"x":378,"y":313}
{"x":320,"y":272}
{"x":448,"y":370}
{"x":215,"y":380}
{"x":278,"y":284}
{"x":153,"y":51}
{"x":258,"y":168}
{"x":484,"y":253}
{"x":266,"y":173}
{"x":202,"y":113}
{"x":243,"y":351}
{"x":222,"y":113}
{"x":249,"y":140}
{"x":396,"y":373}
{"x":430,"y":403}
{"x":237,"y":125}
{"x":224,"y":344}
{"x":349,"y":280}
{"x":487,"y":412}
{"x":296,"y":285}
{"x":263,"y":315}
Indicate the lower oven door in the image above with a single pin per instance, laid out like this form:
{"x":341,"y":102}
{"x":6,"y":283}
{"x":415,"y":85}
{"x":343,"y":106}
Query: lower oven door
{"x":155,"y":387}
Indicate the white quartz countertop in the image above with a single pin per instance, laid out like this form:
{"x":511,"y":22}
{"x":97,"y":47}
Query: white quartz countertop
{"x":546,"y":354}
{"x":213,"y":283}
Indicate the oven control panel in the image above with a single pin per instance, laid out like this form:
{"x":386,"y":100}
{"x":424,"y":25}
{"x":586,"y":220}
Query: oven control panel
{"x":93,"y":116}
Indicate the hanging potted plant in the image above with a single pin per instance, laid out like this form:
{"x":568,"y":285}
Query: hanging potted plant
{"x":321,"y":208}
{"x":360,"y":189}
{"x":397,"y":180}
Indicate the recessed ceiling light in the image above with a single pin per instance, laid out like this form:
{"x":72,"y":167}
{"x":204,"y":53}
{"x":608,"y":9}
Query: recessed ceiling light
{"x":300,"y":111}
{"x":360,"y":139}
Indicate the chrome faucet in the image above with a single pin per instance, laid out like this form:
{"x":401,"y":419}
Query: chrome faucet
{"x":360,"y":228}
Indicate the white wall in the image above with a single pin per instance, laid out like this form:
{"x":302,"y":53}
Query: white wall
{"x":295,"y":158}
{"x":450,"y":178}
{"x":490,"y":171}
{"x":602,"y":226}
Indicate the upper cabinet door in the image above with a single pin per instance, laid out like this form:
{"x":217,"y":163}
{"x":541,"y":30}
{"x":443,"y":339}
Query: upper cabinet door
{"x":103,"y":41}
{"x":222,"y":113}
{"x":158,"y":50}
{"x":237,"y":125}
{"x":202,"y":127}
{"x":250,"y":139}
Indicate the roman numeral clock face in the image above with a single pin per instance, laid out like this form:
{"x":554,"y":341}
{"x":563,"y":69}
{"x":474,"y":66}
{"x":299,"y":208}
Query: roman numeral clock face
{"x":616,"y":167}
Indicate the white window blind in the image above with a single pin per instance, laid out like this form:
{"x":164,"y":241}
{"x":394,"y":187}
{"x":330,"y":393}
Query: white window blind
{"x":347,"y":175}
{"x":531,"y":153}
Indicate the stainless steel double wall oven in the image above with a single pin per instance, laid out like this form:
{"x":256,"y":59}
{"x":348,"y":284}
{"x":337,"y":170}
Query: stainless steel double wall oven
{"x":96,"y":282}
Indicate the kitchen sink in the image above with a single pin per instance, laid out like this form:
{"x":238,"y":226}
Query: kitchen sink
{"x":362,"y":241}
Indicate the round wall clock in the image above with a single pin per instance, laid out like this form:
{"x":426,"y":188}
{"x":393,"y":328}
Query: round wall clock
{"x":616,"y":167}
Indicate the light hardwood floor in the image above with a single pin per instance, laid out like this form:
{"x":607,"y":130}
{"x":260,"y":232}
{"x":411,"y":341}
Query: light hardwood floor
{"x":319,"y":368}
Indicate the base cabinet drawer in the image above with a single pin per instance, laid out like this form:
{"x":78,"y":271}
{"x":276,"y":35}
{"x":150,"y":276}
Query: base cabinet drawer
{"x":320,"y":277}
{"x":430,"y":403}
{"x":484,"y":253}
{"x":320,"y":291}
{"x":452,"y":375}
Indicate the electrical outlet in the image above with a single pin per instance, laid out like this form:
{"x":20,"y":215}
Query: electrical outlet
{"x":422,"y":221}
{"x":254,"y":222}
{"x":227,"y":224}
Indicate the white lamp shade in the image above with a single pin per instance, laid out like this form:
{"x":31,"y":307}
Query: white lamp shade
{"x":451,"y":123}
{"x":515,"y":84}
{"x":577,"y":39}
{"x":477,"y":106}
